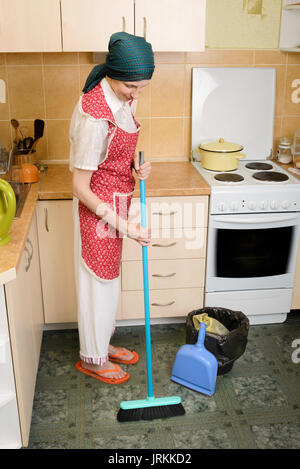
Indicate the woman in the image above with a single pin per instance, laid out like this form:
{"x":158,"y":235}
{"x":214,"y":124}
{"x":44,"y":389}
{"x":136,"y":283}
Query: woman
{"x":103,"y":136}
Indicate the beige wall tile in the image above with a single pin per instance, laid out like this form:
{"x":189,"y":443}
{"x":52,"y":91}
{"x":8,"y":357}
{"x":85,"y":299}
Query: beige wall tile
{"x":289,"y":125}
{"x":169,"y":58}
{"x":187,"y":137}
{"x":4,"y":107}
{"x":221,"y":57}
{"x":25,"y":88}
{"x":2,"y":59}
{"x":293,"y":58}
{"x":58,"y":139}
{"x":144,"y":138}
{"x":32,"y":58}
{"x":166,"y":137}
{"x":87,"y":57}
{"x":270,"y":57}
{"x":167,"y":91}
{"x":277,"y":133}
{"x":292,"y":91}
{"x":61,"y":91}
{"x":60,"y":58}
{"x":144,"y":102}
{"x":83,"y":74}
{"x":6,"y":134}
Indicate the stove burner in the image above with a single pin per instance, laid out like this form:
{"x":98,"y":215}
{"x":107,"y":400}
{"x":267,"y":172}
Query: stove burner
{"x":261,"y":166}
{"x":270,"y":176}
{"x":227,"y":177}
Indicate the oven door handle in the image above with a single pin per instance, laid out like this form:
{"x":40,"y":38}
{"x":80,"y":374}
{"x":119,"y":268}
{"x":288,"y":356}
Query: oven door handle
{"x":255,"y":221}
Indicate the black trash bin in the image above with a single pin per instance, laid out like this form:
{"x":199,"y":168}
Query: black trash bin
{"x":227,"y":348}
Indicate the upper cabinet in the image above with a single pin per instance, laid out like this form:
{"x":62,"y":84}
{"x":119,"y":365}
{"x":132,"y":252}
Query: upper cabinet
{"x":290,"y":26}
{"x":170,"y":25}
{"x":30,"y":26}
{"x":88,"y":24}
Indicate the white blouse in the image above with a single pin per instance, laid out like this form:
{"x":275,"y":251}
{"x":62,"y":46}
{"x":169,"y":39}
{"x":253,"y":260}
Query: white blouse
{"x":88,"y":135}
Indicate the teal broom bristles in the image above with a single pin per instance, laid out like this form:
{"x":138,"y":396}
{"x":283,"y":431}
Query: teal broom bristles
{"x":151,"y":407}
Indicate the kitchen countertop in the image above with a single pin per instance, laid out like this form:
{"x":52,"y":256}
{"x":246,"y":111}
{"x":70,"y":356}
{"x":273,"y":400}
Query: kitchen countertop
{"x":167,"y":179}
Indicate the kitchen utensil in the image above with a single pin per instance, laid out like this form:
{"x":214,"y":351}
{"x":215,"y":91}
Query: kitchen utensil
{"x":220,"y":155}
{"x":16,"y":125}
{"x":38,"y":133}
{"x":7,"y":210}
{"x":284,"y":152}
{"x":151,"y":407}
{"x":30,"y":173}
{"x":195,"y":367}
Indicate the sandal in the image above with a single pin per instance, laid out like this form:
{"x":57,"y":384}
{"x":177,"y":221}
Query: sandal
{"x":115,"y":358}
{"x":97,"y":374}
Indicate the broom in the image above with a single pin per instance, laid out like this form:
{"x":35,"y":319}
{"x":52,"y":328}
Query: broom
{"x":151,"y":407}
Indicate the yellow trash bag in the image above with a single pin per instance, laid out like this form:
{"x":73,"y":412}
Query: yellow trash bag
{"x":212,"y":325}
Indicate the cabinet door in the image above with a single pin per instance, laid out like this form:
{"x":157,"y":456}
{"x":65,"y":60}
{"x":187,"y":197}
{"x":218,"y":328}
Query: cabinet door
{"x":25,"y":317}
{"x":171,"y":25}
{"x":87,"y":25}
{"x":30,"y":26}
{"x":56,"y":240}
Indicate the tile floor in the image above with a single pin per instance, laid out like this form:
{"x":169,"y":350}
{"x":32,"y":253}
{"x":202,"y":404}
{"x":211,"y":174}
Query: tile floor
{"x":255,"y":405}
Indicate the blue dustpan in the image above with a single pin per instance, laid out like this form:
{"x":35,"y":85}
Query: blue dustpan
{"x":195,"y":367}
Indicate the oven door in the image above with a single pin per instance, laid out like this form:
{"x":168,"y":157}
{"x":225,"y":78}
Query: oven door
{"x":251,"y":251}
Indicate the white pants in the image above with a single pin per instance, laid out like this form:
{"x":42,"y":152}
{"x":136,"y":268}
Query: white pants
{"x":97,"y":304}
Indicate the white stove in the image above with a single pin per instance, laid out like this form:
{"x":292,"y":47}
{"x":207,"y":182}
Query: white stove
{"x":254,"y":211}
{"x":255,"y":186}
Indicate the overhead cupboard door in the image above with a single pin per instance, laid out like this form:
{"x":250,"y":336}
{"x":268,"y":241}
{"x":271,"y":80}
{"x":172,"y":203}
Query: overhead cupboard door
{"x":171,"y":25}
{"x":30,"y":26}
{"x":87,"y":25}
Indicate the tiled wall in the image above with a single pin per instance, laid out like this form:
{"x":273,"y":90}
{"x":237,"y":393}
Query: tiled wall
{"x":47,"y":86}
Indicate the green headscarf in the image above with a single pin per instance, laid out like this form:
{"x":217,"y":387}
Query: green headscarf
{"x":130,"y":58}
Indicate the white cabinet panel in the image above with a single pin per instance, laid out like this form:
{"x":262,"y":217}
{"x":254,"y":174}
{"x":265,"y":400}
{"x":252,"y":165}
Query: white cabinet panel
{"x":171,"y":25}
{"x":87,"y":25}
{"x":30,"y":26}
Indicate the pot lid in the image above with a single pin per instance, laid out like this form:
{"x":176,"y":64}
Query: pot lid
{"x":221,"y":146}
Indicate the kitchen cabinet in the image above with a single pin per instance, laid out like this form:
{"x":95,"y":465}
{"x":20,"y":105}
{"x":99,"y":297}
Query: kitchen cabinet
{"x":88,"y":24}
{"x":290,"y":31}
{"x":55,"y":229}
{"x":25,"y":319}
{"x":170,"y":25}
{"x":296,"y":289}
{"x":176,"y":258}
{"x":10,"y":436}
{"x":30,"y":26}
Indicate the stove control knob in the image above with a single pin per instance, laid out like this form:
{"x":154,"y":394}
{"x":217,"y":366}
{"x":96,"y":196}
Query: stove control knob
{"x":274,"y":204}
{"x":252,"y":205}
{"x":222,"y":207}
{"x":285,"y":204}
{"x":264,"y":204}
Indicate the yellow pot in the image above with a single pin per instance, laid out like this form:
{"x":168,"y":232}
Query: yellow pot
{"x":220,"y":155}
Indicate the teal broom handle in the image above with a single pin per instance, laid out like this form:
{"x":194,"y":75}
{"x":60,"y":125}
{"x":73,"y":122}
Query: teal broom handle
{"x":146,"y":285}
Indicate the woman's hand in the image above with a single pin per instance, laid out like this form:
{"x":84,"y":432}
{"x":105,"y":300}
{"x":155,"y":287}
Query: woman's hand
{"x":139,"y":234}
{"x":143,"y":171}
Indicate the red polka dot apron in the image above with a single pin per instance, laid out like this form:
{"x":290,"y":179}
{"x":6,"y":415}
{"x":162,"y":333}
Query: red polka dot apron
{"x":113,"y":183}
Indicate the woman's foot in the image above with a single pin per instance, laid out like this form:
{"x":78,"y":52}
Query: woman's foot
{"x":123,"y":353}
{"x":107,"y":366}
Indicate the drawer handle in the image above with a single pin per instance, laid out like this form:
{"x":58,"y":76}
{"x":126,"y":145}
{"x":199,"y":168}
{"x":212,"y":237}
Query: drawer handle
{"x":164,"y":245}
{"x":164,"y":276}
{"x":145,"y":28}
{"x":163,"y":213}
{"x":46,"y":219}
{"x":29,"y":254}
{"x":123,"y":24}
{"x":160,"y":304}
